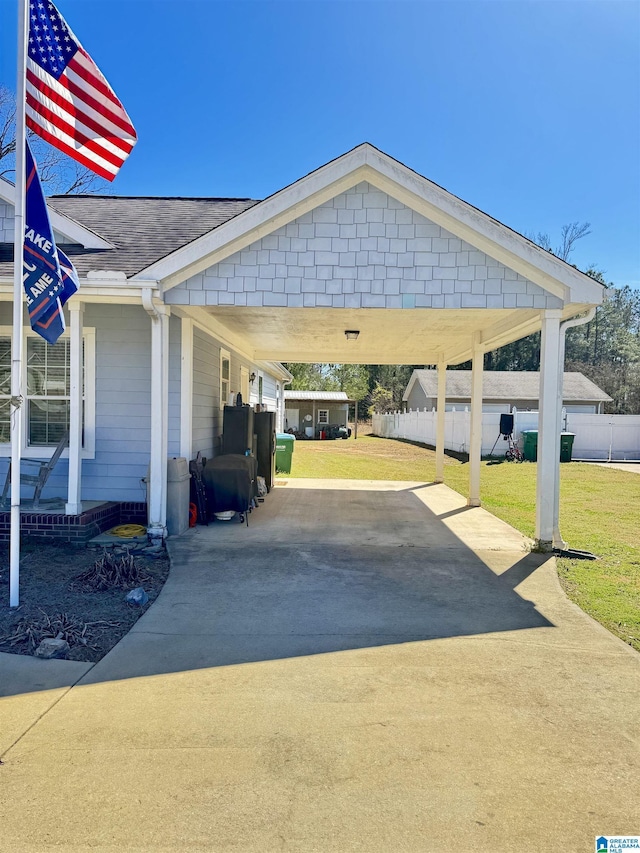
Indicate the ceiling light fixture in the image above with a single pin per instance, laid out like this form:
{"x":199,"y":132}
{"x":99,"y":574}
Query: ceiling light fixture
{"x":351,"y":334}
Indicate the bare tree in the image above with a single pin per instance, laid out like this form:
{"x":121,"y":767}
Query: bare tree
{"x":569,"y":236}
{"x":59,"y":174}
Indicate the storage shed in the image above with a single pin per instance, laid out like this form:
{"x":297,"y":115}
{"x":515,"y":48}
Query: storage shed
{"x":308,"y":411}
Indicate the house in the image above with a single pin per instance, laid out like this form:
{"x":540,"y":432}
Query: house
{"x":307,"y":411}
{"x":181,"y":300}
{"x":502,"y":391}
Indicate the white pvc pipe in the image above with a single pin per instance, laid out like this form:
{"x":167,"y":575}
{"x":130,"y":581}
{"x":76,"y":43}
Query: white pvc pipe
{"x":16,"y":343}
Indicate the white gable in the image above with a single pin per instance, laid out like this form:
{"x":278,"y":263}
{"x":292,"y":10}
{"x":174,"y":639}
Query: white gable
{"x":361,"y":249}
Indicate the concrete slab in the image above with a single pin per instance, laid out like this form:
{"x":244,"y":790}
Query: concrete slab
{"x":630,"y":467}
{"x":363,"y":668}
{"x":29,"y":687}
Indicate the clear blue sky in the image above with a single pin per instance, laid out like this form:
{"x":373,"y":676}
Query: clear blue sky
{"x":528,"y":110}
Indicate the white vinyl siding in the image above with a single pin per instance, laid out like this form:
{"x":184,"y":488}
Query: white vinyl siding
{"x":207,"y":415}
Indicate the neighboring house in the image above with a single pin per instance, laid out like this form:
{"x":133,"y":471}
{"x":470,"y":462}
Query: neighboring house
{"x":181,"y":301}
{"x":502,"y":391}
{"x":307,"y":411}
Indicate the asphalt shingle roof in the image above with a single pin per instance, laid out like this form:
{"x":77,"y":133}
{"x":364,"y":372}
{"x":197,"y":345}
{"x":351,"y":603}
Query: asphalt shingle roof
{"x":509,"y":385}
{"x":143,"y":230}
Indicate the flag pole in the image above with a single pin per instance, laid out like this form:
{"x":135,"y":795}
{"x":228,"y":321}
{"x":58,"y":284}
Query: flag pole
{"x":16,"y":340}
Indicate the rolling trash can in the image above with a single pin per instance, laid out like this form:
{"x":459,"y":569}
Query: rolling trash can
{"x":530,"y":444}
{"x":284,"y":452}
{"x":566,"y":446}
{"x":178,"y":477}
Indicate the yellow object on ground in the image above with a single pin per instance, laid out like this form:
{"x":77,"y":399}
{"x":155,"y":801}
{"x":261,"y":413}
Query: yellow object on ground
{"x":128,"y":531}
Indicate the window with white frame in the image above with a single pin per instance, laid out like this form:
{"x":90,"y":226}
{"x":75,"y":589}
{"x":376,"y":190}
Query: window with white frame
{"x":225,"y":377}
{"x":323,"y":416}
{"x":46,"y":379}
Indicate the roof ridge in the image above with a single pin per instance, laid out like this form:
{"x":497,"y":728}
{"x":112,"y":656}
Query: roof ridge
{"x":153,"y":197}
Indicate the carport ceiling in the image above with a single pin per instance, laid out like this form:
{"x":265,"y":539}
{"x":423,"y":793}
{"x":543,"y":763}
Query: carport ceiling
{"x":387,"y":336}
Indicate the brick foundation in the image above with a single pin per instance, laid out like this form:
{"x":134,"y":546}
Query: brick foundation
{"x":78,"y":529}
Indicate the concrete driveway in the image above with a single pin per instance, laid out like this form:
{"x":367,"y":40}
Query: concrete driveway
{"x":366,"y":667}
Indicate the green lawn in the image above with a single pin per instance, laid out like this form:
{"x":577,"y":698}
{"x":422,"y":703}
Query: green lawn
{"x":599,"y":510}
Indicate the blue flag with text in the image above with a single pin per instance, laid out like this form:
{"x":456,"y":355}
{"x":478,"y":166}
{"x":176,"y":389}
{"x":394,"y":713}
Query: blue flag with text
{"x":49,"y":277}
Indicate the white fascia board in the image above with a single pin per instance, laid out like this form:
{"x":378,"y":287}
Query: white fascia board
{"x":89,"y":293}
{"x":275,"y":369}
{"x":64,"y":225}
{"x":477,"y":228}
{"x":366,"y":163}
{"x":409,"y":388}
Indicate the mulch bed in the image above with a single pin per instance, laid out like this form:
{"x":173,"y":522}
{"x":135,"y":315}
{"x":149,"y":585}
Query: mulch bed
{"x":52,"y":601}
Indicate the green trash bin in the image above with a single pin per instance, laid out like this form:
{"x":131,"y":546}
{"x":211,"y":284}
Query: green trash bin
{"x":530,"y":448}
{"x":566,"y":446}
{"x":284,"y":452}
{"x":530,"y":444}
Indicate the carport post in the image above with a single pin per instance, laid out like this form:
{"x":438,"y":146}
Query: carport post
{"x":157,"y":480}
{"x":475,"y":440}
{"x":440,"y":422}
{"x":548,"y":475}
{"x":355,"y":425}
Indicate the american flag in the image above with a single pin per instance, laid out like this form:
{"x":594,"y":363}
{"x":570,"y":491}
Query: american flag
{"x":69,"y":102}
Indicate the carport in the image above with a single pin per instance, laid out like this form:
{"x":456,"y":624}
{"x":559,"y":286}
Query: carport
{"x":366,"y":245}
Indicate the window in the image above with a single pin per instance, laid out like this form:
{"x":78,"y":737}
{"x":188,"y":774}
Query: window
{"x":323,"y":416}
{"x":46,"y":380}
{"x":225,"y":377}
{"x":260,"y":383}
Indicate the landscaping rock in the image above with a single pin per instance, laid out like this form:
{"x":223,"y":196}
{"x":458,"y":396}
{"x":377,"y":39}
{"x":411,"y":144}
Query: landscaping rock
{"x":137,"y":596}
{"x":52,"y":648}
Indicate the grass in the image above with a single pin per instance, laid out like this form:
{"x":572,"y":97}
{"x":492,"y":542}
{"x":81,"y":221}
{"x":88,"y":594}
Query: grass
{"x":598,"y":513}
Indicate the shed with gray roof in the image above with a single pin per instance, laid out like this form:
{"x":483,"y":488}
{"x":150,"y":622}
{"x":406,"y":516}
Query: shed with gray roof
{"x":307,"y":411}
{"x":502,"y":391}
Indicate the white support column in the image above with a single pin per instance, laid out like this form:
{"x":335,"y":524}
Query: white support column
{"x":157,"y":486}
{"x":475,"y":440}
{"x":548,"y":477}
{"x":440,"y":421}
{"x":74,"y":496}
{"x":186,"y":388}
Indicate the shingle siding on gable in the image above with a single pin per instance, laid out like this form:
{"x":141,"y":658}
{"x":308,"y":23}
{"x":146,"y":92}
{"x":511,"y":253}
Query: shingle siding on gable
{"x":6,"y":222}
{"x":363,"y":249}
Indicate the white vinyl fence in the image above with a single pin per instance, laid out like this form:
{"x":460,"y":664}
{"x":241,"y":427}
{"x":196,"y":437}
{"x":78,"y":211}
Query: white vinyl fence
{"x":598,"y":438}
